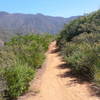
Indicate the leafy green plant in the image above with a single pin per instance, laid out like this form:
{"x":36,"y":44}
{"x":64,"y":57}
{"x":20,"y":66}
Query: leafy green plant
{"x":18,"y":77}
{"x":20,"y":58}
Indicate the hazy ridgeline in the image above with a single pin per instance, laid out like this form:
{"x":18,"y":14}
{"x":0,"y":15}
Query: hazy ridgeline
{"x":11,"y":24}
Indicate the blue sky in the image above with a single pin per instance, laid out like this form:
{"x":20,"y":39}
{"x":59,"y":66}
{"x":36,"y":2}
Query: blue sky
{"x":64,"y":8}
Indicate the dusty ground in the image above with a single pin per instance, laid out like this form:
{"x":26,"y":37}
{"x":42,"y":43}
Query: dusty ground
{"x":54,"y":83}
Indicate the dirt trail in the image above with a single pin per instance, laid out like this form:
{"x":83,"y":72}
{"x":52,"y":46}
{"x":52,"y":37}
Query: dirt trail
{"x":53,"y":84}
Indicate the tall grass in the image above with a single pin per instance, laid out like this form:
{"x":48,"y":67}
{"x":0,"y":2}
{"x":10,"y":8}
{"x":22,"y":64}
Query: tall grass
{"x":19,"y":59}
{"x":82,"y":53}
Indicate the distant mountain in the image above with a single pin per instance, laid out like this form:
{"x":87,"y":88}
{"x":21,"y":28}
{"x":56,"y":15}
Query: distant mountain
{"x":10,"y":24}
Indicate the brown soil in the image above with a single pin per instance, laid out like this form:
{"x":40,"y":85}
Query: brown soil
{"x":54,"y":82}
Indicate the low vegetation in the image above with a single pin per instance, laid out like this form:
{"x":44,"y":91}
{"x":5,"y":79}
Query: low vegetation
{"x":18,"y":78}
{"x":79,"y":43}
{"x":19,"y":59}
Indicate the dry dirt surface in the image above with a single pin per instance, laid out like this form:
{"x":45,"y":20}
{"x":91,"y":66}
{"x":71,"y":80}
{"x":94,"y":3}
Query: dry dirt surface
{"x":54,"y":82}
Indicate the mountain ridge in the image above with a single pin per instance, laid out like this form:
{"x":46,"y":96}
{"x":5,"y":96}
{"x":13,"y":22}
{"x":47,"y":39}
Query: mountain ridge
{"x":12,"y":23}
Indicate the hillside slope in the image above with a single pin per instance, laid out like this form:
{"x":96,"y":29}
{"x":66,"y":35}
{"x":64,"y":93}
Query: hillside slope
{"x":79,"y":43}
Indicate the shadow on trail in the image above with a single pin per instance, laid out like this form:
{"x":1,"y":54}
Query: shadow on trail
{"x":76,"y":78}
{"x":71,"y":73}
{"x":54,"y":51}
{"x":95,"y":89}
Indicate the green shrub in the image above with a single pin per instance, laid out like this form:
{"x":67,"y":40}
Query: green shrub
{"x":20,"y":57}
{"x":83,"y":61}
{"x":84,"y":24}
{"x":82,"y":54}
{"x":30,"y":48}
{"x":18,"y":77}
{"x":79,"y":43}
{"x":7,"y":57}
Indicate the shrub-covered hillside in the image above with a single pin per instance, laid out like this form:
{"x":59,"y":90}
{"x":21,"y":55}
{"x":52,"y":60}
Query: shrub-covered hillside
{"x":89,"y":23}
{"x":79,"y":43}
{"x":19,"y":59}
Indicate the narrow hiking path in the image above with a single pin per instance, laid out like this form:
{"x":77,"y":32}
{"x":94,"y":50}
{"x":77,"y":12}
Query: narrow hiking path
{"x":53,"y":82}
